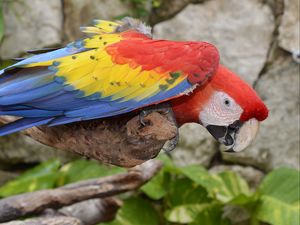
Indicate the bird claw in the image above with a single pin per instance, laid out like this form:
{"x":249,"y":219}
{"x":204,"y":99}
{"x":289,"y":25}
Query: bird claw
{"x":162,"y":109}
{"x":170,"y":145}
{"x":142,"y":116}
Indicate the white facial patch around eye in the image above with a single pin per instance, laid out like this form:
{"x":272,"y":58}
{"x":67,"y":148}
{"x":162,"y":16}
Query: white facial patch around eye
{"x":220,"y":110}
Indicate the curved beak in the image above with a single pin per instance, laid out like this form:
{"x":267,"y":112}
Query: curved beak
{"x":237,"y":136}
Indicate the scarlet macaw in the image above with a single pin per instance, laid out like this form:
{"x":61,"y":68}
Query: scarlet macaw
{"x":119,"y":69}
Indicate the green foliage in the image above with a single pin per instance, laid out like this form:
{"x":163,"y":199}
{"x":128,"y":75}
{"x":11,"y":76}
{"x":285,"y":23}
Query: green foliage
{"x":181,"y":195}
{"x":280,"y":198}
{"x":142,"y":8}
{"x":136,"y":211}
{"x":6,"y":63}
{"x":191,"y":195}
{"x":51,"y":174}
{"x":83,"y":169}
{"x":41,"y":177}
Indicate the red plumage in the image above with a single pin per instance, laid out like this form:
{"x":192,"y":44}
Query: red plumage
{"x":198,"y":60}
{"x":187,"y":108}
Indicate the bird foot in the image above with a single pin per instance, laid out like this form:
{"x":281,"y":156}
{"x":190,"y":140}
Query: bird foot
{"x":165,"y":109}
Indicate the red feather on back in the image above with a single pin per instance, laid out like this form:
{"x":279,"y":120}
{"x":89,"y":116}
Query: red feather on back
{"x":198,"y":60}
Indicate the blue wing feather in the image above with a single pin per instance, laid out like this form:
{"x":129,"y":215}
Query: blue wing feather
{"x":22,"y":124}
{"x":69,"y":50}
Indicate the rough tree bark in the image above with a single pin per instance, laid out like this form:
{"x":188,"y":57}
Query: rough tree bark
{"x":55,"y":220}
{"x":89,"y":212}
{"x":120,"y":141}
{"x":36,"y":202}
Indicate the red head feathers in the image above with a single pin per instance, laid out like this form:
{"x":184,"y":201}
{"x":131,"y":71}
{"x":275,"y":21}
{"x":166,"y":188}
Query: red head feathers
{"x":187,"y":108}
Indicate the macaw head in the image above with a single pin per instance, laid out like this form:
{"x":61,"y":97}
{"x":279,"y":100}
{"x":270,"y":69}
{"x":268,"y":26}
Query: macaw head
{"x":227,"y":107}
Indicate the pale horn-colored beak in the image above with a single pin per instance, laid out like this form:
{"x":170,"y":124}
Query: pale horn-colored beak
{"x":245,"y":135}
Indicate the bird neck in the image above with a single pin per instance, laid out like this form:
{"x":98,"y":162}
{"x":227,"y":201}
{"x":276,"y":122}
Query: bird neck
{"x":187,"y":108}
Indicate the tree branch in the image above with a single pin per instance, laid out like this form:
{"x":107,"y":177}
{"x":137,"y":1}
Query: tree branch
{"x":54,"y":220}
{"x":89,"y":212}
{"x":36,"y":202}
{"x":120,"y":141}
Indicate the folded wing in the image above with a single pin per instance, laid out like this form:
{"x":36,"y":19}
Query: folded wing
{"x":116,"y":70}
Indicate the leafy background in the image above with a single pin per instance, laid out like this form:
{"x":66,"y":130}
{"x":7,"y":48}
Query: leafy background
{"x":181,"y":195}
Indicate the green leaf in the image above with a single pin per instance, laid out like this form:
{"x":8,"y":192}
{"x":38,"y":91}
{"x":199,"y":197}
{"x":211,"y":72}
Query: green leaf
{"x":200,"y":176}
{"x":157,"y":187}
{"x":85,"y":169}
{"x":243,"y":200}
{"x":6,"y":63}
{"x":282,"y":184}
{"x":1,"y":21}
{"x":184,"y":191}
{"x":40,"y":177}
{"x":277,"y":212}
{"x":211,"y":216}
{"x":224,"y":187}
{"x":136,"y":211}
{"x":233,"y":186}
{"x":280,"y":197}
{"x":168,"y":164}
{"x":185,"y":213}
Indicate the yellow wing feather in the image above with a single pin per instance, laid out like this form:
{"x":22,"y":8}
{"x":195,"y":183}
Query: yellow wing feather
{"x":93,"y":71}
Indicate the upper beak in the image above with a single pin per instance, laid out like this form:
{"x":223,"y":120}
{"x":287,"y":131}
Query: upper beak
{"x":237,"y":136}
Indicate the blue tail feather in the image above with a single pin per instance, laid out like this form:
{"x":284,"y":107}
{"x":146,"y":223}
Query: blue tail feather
{"x":30,"y":95}
{"x":31,"y":113}
{"x":27,"y":83}
{"x":22,"y":124}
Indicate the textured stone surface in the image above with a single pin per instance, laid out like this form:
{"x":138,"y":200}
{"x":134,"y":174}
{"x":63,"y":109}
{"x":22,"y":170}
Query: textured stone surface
{"x":196,"y":146}
{"x":30,"y":24}
{"x":242,"y":31}
{"x":168,"y":9}
{"x":79,"y":13}
{"x":17,"y":148}
{"x":277,"y":143}
{"x":289,"y":29}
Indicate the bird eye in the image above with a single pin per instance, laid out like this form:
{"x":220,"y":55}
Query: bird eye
{"x":227,"y":102}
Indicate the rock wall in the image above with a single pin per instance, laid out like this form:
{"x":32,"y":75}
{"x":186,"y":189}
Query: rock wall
{"x":257,"y":39}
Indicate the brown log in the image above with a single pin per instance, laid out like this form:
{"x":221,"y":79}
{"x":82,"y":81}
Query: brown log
{"x":35,"y":202}
{"x":120,"y":141}
{"x":89,"y":212}
{"x":53,"y":220}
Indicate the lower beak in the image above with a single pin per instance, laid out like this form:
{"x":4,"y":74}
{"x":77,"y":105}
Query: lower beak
{"x":237,"y":136}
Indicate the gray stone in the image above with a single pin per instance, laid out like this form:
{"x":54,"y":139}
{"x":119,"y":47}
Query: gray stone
{"x":17,"y":148}
{"x":241,"y":30}
{"x":30,"y":24}
{"x":80,"y":13}
{"x":289,"y":29}
{"x":168,"y":9}
{"x":277,"y":143}
{"x":196,"y":146}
